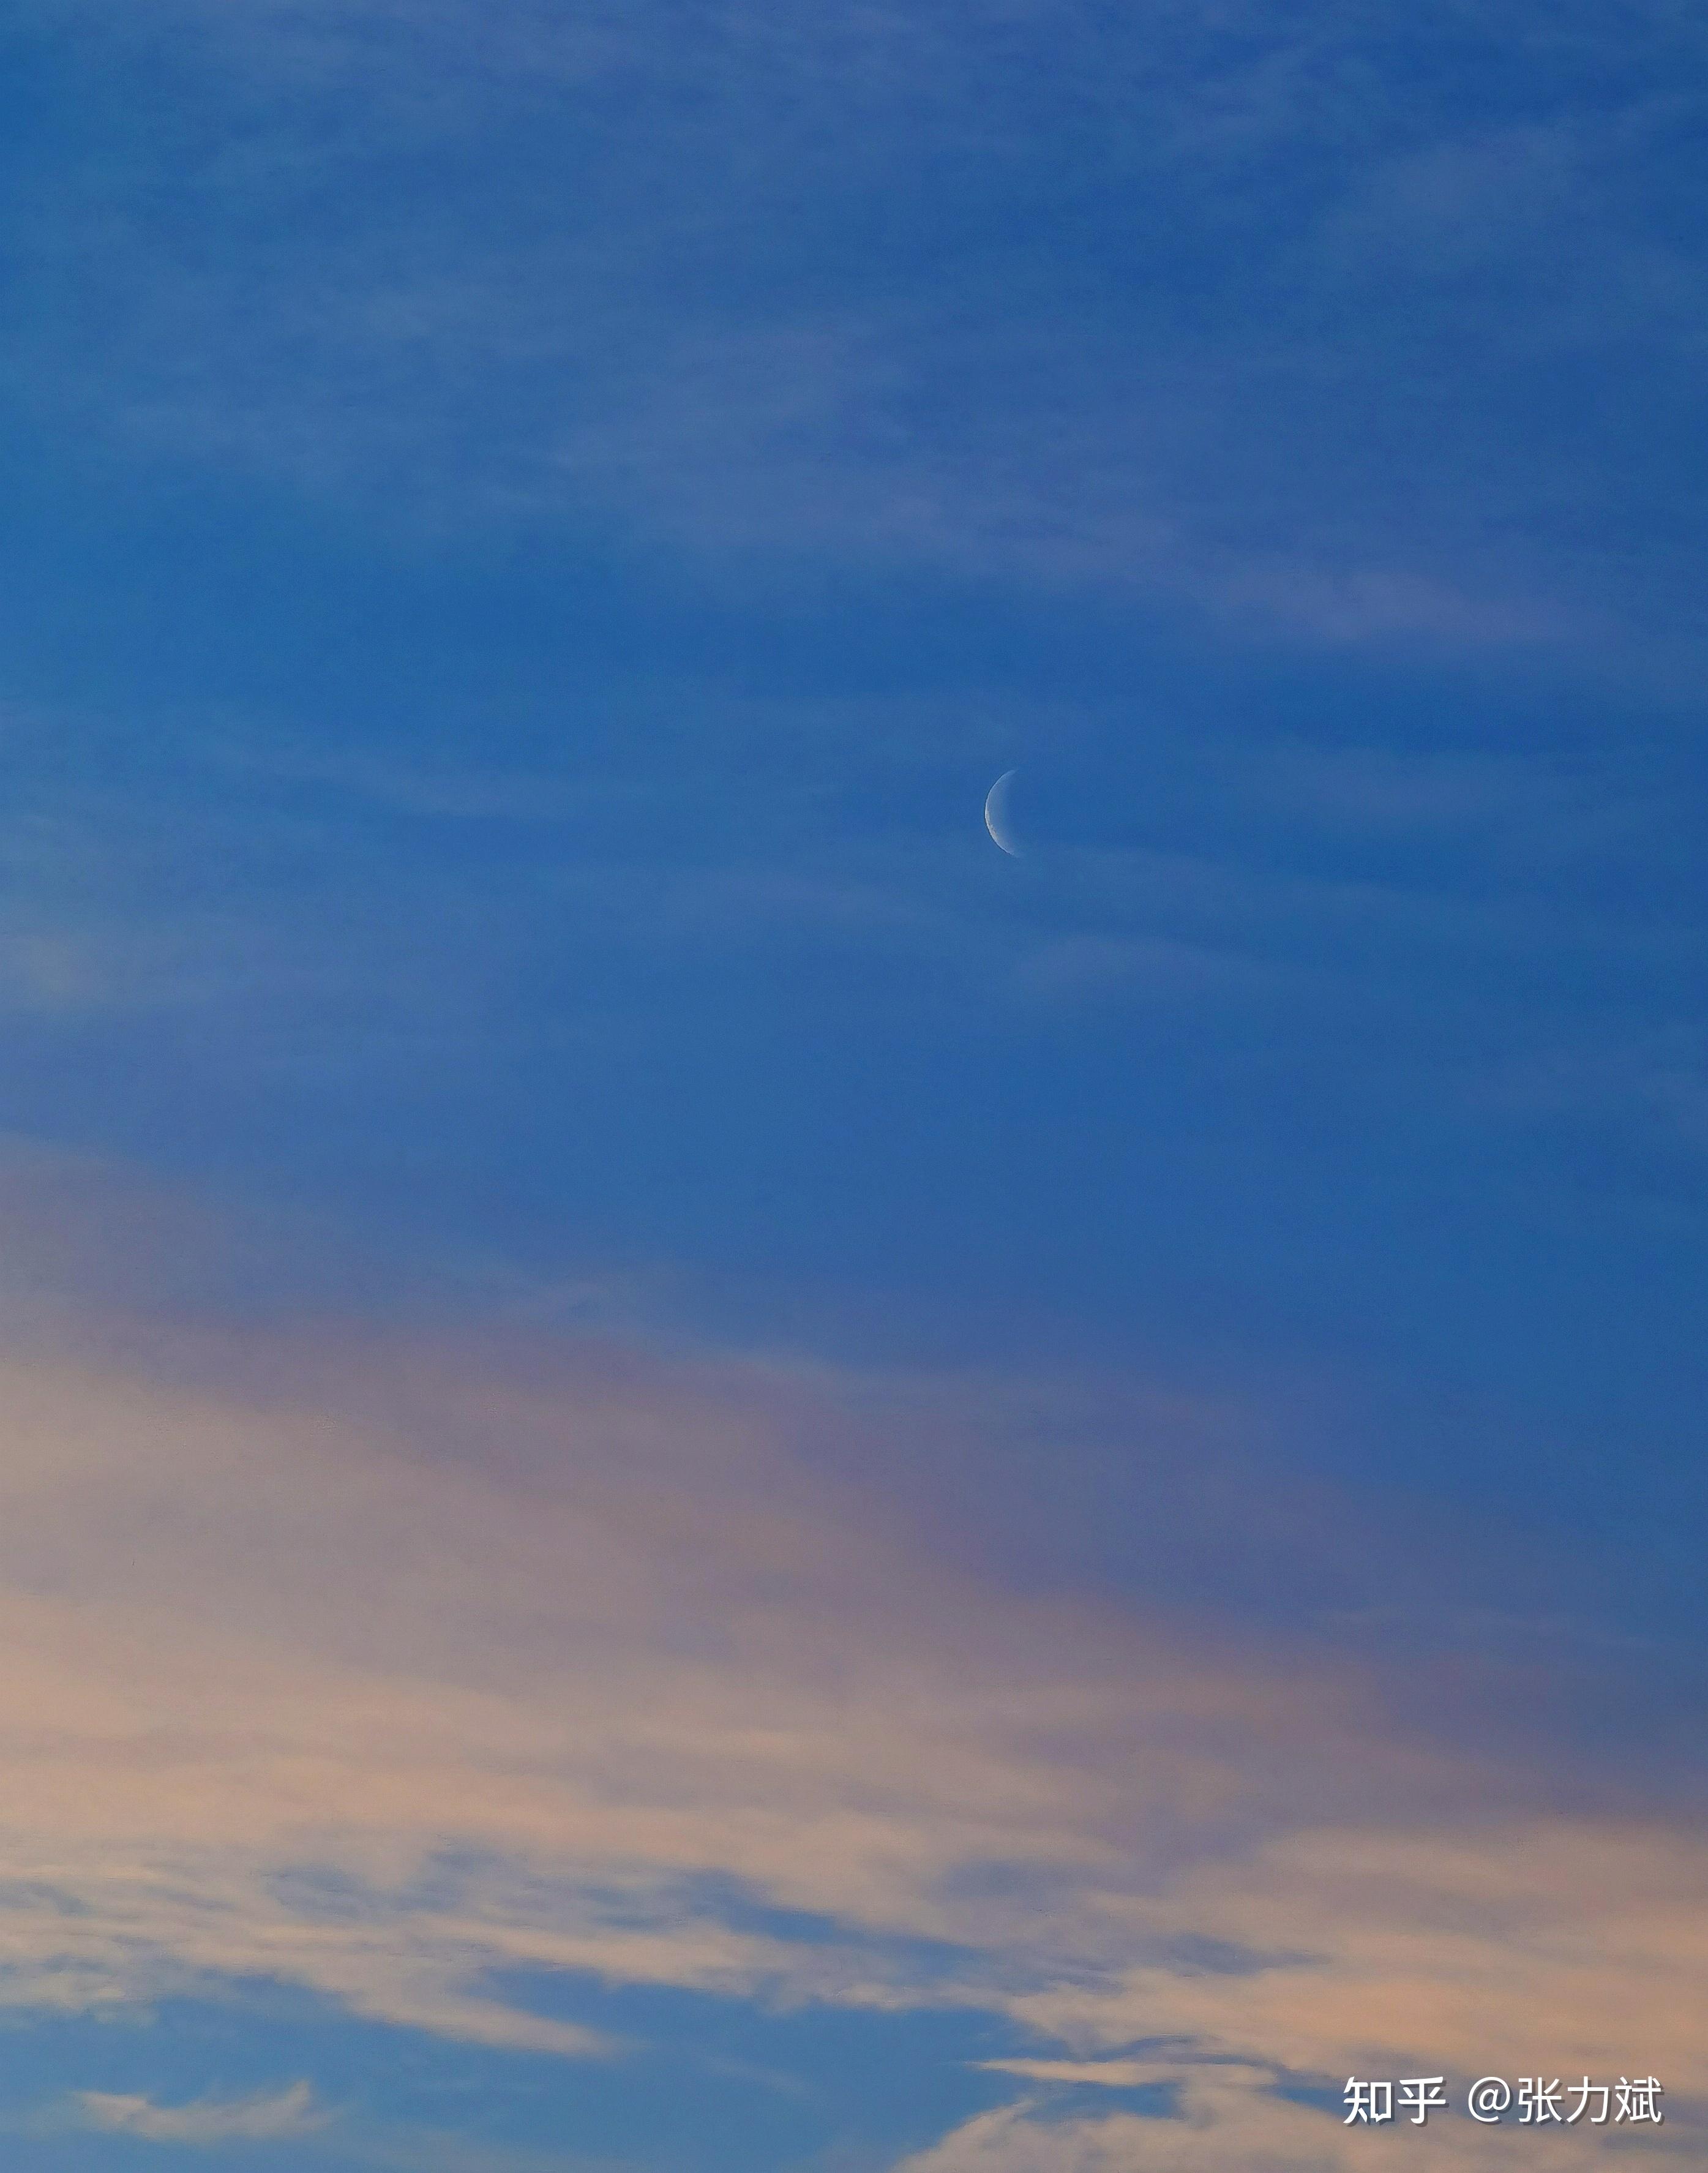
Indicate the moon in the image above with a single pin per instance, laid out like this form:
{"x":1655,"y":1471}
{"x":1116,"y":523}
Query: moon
{"x":996,"y":814}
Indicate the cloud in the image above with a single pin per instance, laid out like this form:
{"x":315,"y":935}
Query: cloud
{"x":1312,"y":429}
{"x":376,"y":1683}
{"x":1232,"y":2116}
{"x":1103,"y":2074}
{"x":403,"y":1670}
{"x":264,"y":2118}
{"x":1484,"y":1944}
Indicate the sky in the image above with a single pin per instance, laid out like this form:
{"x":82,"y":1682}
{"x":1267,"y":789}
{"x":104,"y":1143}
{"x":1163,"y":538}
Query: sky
{"x":695,"y":1475}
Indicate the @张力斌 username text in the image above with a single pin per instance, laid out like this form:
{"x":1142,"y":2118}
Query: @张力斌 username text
{"x":1533,"y":2101}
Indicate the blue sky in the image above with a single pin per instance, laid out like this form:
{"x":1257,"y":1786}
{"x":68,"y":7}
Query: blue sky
{"x":697,"y":1474}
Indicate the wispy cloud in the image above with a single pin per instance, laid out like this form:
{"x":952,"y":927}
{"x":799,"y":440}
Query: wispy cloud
{"x":1231,"y":2116}
{"x":428,"y":1668}
{"x":266,"y":2117}
{"x":1313,"y":431}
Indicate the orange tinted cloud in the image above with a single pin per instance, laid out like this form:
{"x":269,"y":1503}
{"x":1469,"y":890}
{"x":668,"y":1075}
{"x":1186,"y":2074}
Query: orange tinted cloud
{"x":377,"y":1668}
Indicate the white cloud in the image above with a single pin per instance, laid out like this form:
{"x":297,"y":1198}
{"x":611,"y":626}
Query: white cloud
{"x":264,"y":2118}
{"x":1102,"y":2074}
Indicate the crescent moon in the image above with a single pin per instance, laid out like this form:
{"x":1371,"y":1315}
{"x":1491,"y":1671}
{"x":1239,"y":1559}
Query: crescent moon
{"x":995,"y":814}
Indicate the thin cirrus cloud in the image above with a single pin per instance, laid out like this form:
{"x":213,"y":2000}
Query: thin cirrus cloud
{"x":449,"y":1667}
{"x":645,"y":336}
{"x":267,"y":2117}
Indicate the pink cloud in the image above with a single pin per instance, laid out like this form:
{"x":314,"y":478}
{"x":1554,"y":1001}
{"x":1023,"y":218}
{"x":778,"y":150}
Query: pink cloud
{"x":523,"y":1647}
